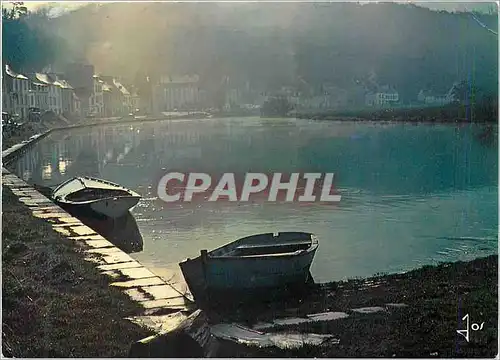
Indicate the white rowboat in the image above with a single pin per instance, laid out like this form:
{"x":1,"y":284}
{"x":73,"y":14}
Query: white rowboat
{"x":95,"y":195}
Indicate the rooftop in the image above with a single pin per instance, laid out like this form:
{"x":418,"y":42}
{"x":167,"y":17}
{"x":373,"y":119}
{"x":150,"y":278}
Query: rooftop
{"x":387,"y":89}
{"x":44,"y":79}
{"x":13,"y":74}
{"x":120,"y":87}
{"x":176,"y":79}
{"x":106,"y":87}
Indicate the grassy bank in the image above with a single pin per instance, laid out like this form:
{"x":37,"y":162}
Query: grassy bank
{"x":452,"y":113}
{"x":436,"y":297}
{"x":55,"y":304}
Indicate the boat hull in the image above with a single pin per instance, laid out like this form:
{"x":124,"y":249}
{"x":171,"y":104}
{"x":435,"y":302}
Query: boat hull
{"x":109,"y":208}
{"x":251,"y":273}
{"x":114,"y":208}
{"x":237,"y":275}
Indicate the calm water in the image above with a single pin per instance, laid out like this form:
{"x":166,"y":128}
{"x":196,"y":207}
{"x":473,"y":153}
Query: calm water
{"x":411,"y":194}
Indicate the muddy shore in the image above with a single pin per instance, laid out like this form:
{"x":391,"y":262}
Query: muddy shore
{"x":415,"y":314}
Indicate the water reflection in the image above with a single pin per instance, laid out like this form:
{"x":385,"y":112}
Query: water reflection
{"x":123,"y":232}
{"x":405,"y":188}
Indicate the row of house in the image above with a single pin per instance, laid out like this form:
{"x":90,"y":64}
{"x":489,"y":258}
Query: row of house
{"x":171,"y":93}
{"x":110,"y":98}
{"x":384,"y":95}
{"x":432,"y":98}
{"x":332,"y":97}
{"x":183,"y":92}
{"x":30,"y":95}
{"x":80,"y":92}
{"x":27,"y":94}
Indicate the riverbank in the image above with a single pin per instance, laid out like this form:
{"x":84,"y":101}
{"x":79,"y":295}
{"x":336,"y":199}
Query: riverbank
{"x":23,"y":132}
{"x":453,"y":113}
{"x":55,"y":304}
{"x":76,"y":313}
{"x":27,"y":129}
{"x":415,"y":314}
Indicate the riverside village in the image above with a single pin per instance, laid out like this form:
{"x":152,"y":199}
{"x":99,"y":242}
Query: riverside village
{"x":313,"y":180}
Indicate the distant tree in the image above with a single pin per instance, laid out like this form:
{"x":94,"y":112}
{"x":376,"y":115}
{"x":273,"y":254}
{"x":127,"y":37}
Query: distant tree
{"x":487,"y":109}
{"x":492,"y":9}
{"x":464,"y":93}
{"x":219,"y":98}
{"x":276,"y":106}
{"x":27,"y":45}
{"x":333,"y":43}
{"x":18,"y":10}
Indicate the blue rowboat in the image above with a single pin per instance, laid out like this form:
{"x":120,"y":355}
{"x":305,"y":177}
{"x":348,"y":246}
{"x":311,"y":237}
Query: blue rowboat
{"x":253,"y":262}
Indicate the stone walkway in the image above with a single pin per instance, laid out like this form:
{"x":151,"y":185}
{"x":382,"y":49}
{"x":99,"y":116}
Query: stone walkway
{"x":156,"y":295}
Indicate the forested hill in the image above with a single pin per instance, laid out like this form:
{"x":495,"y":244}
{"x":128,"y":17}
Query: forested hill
{"x":276,"y":44}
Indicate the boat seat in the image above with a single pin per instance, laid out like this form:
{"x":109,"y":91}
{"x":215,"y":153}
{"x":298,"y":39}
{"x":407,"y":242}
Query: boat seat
{"x":256,"y":246}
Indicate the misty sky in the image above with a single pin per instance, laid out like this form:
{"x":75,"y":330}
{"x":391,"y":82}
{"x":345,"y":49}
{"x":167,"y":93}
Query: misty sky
{"x":449,"y":6}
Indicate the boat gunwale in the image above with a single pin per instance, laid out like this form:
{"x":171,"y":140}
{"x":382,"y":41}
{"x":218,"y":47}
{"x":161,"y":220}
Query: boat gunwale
{"x":86,"y":202}
{"x":312,"y":247}
{"x":62,"y":198}
{"x":268,"y":257}
{"x":60,"y":186}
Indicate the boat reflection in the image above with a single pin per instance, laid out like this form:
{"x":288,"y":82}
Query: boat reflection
{"x":122,"y":232}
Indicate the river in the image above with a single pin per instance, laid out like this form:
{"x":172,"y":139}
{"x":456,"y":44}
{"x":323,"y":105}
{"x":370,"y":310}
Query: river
{"x":412,"y":194}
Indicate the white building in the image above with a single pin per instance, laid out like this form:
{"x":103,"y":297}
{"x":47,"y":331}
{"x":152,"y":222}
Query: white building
{"x":385,"y":95}
{"x":450,"y":95}
{"x":32,"y":95}
{"x":54,"y":95}
{"x":38,"y":94}
{"x":125,"y":96}
{"x":67,"y":96}
{"x":15,"y":97}
{"x":135,"y":99}
{"x":429,"y":98}
{"x":177,"y":93}
{"x":77,"y":105}
{"x":96,"y":99}
{"x":113,"y":99}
